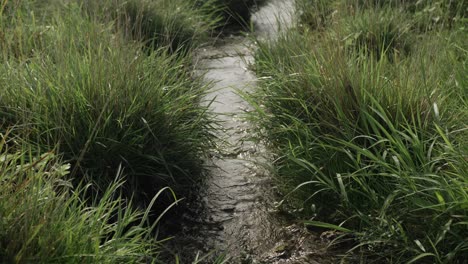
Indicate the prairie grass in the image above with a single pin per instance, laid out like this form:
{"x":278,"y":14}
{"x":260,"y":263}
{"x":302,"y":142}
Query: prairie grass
{"x":367,"y":116}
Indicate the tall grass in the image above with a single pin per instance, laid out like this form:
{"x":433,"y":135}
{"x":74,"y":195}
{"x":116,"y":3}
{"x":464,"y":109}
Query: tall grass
{"x":377,"y":33}
{"x":369,"y":138}
{"x":179,"y":25}
{"x":426,"y":15}
{"x":108,"y":87}
{"x":232,"y":12}
{"x":44,"y":219}
{"x":73,"y":82}
{"x":314,"y":14}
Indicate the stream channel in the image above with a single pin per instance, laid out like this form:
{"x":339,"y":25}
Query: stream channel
{"x":238,"y":216}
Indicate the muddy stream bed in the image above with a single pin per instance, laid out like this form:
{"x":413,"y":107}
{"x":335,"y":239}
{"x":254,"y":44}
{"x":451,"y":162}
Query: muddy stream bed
{"x":234,"y":211}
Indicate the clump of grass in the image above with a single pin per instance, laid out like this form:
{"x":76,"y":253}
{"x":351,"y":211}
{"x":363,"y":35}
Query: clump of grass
{"x":232,"y":12}
{"x":377,"y":32}
{"x":374,"y":31}
{"x":103,"y":101}
{"x":375,"y":148}
{"x":45,"y":220}
{"x":179,"y":25}
{"x":78,"y":78}
{"x":427,"y":15}
{"x":383,"y":3}
{"x":314,"y":14}
{"x":163,"y":23}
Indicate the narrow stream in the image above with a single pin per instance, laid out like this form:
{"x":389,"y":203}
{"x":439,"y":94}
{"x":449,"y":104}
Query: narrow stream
{"x":233,"y":214}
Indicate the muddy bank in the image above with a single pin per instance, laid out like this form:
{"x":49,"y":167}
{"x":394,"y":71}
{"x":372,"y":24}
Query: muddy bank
{"x":233,"y":213}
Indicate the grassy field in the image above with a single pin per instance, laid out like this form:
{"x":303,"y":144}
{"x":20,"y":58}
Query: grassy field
{"x":364,"y":104}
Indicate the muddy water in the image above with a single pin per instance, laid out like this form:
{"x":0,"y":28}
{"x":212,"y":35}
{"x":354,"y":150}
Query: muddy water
{"x":233,"y":213}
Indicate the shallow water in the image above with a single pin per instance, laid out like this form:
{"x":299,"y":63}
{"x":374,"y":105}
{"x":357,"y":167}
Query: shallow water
{"x":234,"y":213}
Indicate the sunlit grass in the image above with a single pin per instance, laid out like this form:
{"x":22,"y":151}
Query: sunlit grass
{"x":111,"y":93}
{"x":367,"y":117}
{"x":103,"y":101}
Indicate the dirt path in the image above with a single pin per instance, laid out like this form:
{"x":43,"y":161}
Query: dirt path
{"x":234,"y":214}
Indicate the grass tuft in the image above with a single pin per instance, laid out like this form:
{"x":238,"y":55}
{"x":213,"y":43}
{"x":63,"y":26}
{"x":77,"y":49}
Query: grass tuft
{"x":103,"y":101}
{"x":45,"y":219}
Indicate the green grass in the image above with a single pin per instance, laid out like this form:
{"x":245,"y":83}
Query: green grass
{"x":178,"y":25}
{"x":426,"y":15}
{"x":232,"y":12}
{"x":44,"y":219}
{"x":377,"y":33}
{"x":314,"y":14}
{"x":108,"y":88}
{"x":78,"y":84}
{"x":367,"y":117}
